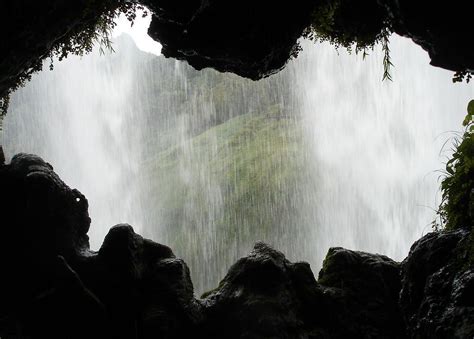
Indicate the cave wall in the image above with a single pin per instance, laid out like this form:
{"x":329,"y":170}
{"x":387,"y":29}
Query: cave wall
{"x":29,"y":29}
{"x":250,"y":39}
{"x":54,"y":286}
{"x":442,"y":29}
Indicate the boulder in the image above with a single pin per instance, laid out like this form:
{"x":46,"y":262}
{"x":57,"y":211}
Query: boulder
{"x":266,"y":296}
{"x":437,"y":296}
{"x":54,"y":286}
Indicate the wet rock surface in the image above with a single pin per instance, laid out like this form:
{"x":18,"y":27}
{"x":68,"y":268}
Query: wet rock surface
{"x":54,"y":286}
{"x":437,"y":296}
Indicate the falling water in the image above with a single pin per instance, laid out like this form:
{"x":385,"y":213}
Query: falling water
{"x":74,"y":118}
{"x":321,"y":154}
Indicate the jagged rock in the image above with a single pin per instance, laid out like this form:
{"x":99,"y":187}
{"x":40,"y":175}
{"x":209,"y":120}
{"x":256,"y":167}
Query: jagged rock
{"x":36,"y":195}
{"x":250,"y":38}
{"x":266,"y":296}
{"x":147,"y":292}
{"x":41,"y":219}
{"x":365,"y":288}
{"x":437,"y":295}
{"x":131,"y":288}
{"x":53,"y":286}
{"x":258,"y":298}
{"x":443,"y":29}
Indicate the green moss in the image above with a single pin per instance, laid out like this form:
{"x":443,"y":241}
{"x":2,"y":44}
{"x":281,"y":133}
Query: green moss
{"x":236,"y":180}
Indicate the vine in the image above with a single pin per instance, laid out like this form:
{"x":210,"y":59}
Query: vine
{"x":342,"y":24}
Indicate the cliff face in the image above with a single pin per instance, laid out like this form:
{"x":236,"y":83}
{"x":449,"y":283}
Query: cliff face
{"x":53,"y":286}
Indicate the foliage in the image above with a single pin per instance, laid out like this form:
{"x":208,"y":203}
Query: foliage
{"x":457,"y":206}
{"x":355,"y":27}
{"x":387,"y":63}
{"x":95,"y":28}
{"x":460,"y":76}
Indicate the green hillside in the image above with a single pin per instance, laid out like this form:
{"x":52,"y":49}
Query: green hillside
{"x":235,"y":182}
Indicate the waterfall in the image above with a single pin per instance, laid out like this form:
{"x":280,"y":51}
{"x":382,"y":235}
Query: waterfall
{"x":321,"y":154}
{"x":74,"y":117}
{"x":378,"y":145}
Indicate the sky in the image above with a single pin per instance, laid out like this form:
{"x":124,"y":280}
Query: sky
{"x":138,"y":32}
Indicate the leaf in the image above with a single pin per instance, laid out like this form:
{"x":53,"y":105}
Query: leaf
{"x":466,"y":120}
{"x":470,"y":113}
{"x":470,"y":108}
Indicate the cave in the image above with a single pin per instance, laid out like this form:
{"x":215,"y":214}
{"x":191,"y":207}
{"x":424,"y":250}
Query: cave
{"x":201,"y":169}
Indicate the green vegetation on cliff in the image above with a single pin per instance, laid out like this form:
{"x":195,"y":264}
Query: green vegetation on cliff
{"x":228,"y":161}
{"x":344,"y":24}
{"x":457,"y":207}
{"x":456,"y":210}
{"x":240,"y":175}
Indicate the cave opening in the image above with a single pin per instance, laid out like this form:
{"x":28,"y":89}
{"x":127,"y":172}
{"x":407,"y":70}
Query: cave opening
{"x":271,"y":171}
{"x":321,"y":154}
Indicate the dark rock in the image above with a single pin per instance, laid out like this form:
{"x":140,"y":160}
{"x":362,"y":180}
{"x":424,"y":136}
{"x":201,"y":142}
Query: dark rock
{"x":258,"y":298}
{"x":29,"y":29}
{"x":68,"y":309}
{"x":131,"y":288}
{"x":41,"y":219}
{"x":443,"y":29}
{"x":365,"y":288}
{"x":250,"y":38}
{"x":266,"y":296}
{"x":170,"y":309}
{"x":147,"y":292}
{"x":53,"y":286}
{"x":437,"y":295}
{"x":2,"y":155}
{"x":35,"y":194}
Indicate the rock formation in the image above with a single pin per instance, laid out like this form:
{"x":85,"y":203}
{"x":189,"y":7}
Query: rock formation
{"x":54,"y":286}
{"x":248,"y":38}
{"x":443,"y":30}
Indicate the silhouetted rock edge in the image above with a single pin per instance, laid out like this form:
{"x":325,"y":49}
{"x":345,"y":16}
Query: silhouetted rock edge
{"x":54,"y":286}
